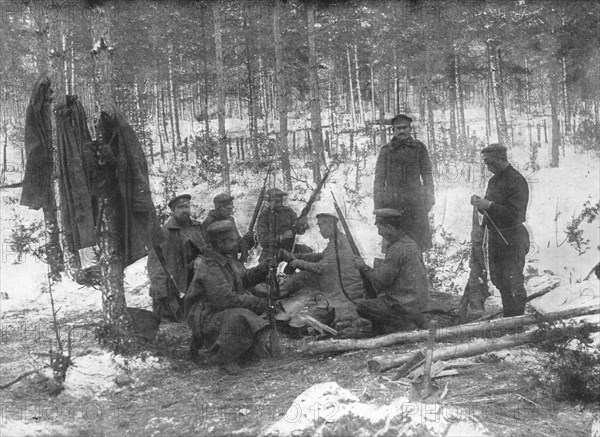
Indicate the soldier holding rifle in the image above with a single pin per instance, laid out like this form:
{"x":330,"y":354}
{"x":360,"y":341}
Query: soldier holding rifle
{"x":400,"y":280}
{"x":504,"y":210}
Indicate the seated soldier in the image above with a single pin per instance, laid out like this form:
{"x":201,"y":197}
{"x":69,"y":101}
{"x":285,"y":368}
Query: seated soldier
{"x":400,"y":280}
{"x":277,"y":225}
{"x":224,"y":211}
{"x":324,"y":271}
{"x":220,"y":312}
{"x":184,"y":240}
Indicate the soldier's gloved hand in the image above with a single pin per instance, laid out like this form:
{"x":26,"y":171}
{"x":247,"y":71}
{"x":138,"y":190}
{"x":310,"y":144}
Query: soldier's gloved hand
{"x":474,"y":198}
{"x":286,"y":256}
{"x":249,"y":239}
{"x":481,"y":204}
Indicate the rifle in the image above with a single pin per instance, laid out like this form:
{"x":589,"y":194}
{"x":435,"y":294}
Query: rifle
{"x":273,"y":293}
{"x":173,"y":302}
{"x":370,"y":291}
{"x":257,"y":208}
{"x":304,"y":213}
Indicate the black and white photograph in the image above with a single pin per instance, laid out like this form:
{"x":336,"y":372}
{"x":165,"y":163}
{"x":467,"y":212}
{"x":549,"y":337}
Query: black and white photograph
{"x":300,"y":218}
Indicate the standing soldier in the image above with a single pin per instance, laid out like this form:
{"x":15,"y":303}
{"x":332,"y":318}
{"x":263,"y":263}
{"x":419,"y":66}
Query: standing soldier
{"x":184,"y":241}
{"x":278,"y":224}
{"x":224,"y":211}
{"x":403,"y":181}
{"x":504,"y":208}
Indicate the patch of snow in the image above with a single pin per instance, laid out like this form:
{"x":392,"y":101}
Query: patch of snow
{"x":328,"y":409}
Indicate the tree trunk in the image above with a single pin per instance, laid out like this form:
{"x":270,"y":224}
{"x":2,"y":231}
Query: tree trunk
{"x":252,"y":112}
{"x":565,"y":98}
{"x":281,"y":97}
{"x":315,"y":99}
{"x":117,"y":320}
{"x":221,"y":96}
{"x":460,"y":100}
{"x":164,"y":121}
{"x":350,"y":85}
{"x":498,"y":93}
{"x":361,"y":111}
{"x":53,"y":40}
{"x":556,"y":139}
{"x":173,"y":88}
{"x":452,"y":103}
{"x":172,"y":106}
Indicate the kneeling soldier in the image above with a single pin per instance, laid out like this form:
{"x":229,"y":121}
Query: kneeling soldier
{"x":401,"y":279}
{"x":220,"y":312}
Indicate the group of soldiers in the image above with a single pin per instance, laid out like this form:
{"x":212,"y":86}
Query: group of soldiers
{"x":198,"y":274}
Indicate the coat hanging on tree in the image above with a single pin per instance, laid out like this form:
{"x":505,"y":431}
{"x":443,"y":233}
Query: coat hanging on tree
{"x":125,"y":176}
{"x":38,"y":166}
{"x":76,"y":161}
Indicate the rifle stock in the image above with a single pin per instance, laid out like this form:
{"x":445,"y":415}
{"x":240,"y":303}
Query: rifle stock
{"x":370,"y":291}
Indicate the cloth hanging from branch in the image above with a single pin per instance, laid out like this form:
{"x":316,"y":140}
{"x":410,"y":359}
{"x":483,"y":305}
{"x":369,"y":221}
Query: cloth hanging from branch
{"x":76,"y":162}
{"x":126,"y":182}
{"x":38,"y":132}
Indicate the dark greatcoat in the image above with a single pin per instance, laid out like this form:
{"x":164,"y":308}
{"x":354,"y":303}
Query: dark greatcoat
{"x":39,"y":161}
{"x":404,"y":181}
{"x":180,"y":248}
{"x":220,"y":310}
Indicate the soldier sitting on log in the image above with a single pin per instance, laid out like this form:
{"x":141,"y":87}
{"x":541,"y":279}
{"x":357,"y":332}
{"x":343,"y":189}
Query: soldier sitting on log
{"x":278,"y":224}
{"x":400,"y":280}
{"x":220,"y":311}
{"x":172,"y":270}
{"x":325,"y":271}
{"x":224,"y":211}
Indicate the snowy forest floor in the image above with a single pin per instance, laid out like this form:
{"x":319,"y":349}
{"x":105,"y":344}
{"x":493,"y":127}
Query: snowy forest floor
{"x":160,"y":391}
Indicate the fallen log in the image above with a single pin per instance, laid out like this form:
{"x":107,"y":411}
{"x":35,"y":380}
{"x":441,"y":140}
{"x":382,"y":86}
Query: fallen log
{"x":463,"y":350}
{"x":471,"y":330}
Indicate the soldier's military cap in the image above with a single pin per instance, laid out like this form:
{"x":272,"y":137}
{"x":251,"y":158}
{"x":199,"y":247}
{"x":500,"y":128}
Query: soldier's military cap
{"x":401,"y":118}
{"x":219,"y":227}
{"x":327,"y":215}
{"x":222,"y":199}
{"x":179,"y":200}
{"x":387,"y":213}
{"x":275,"y":192}
{"x":496,"y":150}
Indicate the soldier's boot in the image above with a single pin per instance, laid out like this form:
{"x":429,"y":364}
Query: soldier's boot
{"x":195,"y":346}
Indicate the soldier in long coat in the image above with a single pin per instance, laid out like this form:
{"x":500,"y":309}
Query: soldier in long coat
{"x":400,"y":280}
{"x":184,"y":240}
{"x":403,"y":181}
{"x":220,"y":311}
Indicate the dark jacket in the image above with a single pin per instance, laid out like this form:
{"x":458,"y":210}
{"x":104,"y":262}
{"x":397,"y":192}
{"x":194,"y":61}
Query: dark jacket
{"x":284,"y":220}
{"x":180,"y":248}
{"x":38,"y":135}
{"x":402,"y":276}
{"x":509,"y":193}
{"x":220,"y":310}
{"x":77,"y":201}
{"x":124,"y":177}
